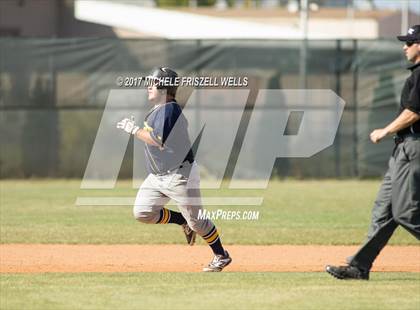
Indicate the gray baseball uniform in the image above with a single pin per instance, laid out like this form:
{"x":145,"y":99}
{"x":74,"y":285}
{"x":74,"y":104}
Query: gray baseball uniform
{"x":173,"y":172}
{"x":157,"y":190}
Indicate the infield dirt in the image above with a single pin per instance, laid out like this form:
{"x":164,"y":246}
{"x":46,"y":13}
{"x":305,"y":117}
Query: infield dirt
{"x":39,"y":258}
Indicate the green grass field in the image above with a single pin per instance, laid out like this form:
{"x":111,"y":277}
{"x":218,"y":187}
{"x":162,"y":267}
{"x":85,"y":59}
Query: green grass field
{"x":208,"y":291}
{"x":294,"y":212}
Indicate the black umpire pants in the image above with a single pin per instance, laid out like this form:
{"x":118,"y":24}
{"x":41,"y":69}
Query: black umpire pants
{"x":397,"y":203}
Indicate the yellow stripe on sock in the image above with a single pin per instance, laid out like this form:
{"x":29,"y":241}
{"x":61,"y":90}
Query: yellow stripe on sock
{"x":214,"y":238}
{"x":211,"y":232}
{"x":169,"y":216}
{"x":165,"y":216}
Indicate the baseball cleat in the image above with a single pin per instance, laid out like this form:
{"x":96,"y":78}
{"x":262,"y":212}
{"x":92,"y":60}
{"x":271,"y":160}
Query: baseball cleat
{"x":189,"y":234}
{"x":218,"y":263}
{"x":347,"y":273}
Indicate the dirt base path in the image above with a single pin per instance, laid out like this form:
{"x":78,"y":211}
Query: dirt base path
{"x":35,"y":258}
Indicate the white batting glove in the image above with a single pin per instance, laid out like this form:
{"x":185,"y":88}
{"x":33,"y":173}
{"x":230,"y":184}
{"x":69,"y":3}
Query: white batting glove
{"x":128,"y":125}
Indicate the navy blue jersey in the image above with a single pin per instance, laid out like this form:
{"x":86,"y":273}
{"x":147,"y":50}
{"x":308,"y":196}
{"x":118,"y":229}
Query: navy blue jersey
{"x":169,"y":128}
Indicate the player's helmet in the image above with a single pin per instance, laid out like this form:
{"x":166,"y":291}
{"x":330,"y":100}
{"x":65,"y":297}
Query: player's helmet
{"x":169,"y":74}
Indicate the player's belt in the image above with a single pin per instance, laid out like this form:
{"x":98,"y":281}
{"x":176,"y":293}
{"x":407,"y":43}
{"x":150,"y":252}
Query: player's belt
{"x":169,"y":171}
{"x":407,"y":137}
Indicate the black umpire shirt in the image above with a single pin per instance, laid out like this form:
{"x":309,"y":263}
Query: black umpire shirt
{"x":410,"y":98}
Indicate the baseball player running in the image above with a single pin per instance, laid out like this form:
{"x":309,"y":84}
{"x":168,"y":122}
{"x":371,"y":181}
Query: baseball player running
{"x":173,"y":172}
{"x":398,"y":201}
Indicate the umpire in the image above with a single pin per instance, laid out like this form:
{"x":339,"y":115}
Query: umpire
{"x":398,"y":200}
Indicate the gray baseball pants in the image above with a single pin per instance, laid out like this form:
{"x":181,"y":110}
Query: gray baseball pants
{"x":397,"y":203}
{"x":183,"y":186}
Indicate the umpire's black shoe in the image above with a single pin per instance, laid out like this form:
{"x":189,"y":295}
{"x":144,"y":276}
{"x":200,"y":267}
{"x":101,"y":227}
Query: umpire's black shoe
{"x":347,"y":272}
{"x":189,"y":234}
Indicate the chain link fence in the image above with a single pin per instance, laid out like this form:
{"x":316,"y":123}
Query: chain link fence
{"x":53,"y":93}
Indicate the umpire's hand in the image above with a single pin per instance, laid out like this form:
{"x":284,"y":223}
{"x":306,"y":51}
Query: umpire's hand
{"x":377,"y":135}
